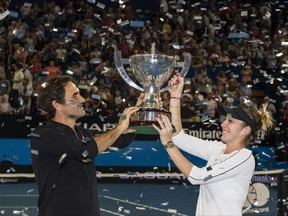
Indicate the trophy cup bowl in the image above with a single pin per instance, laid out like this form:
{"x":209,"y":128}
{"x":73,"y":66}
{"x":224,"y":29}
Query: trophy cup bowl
{"x":151,"y":71}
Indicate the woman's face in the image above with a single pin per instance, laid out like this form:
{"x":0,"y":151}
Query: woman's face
{"x":233,"y":130}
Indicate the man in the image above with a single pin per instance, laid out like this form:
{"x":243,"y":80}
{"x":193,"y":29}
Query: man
{"x":63,"y":154}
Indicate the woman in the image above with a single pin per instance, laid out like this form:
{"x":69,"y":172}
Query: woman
{"x":224,"y":181}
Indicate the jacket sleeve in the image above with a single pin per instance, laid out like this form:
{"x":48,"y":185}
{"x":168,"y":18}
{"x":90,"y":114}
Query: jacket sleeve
{"x":196,"y":146}
{"x":240,"y":162}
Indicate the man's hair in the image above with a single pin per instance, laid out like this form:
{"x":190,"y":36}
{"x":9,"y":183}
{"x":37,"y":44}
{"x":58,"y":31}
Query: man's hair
{"x":52,"y":90}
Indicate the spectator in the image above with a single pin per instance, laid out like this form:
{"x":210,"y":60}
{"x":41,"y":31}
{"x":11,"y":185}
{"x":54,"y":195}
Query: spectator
{"x":61,"y":53}
{"x":199,"y":96}
{"x":210,"y":106}
{"x":246,"y":73}
{"x":15,"y":101}
{"x":118,"y":101}
{"x":270,"y":107}
{"x":5,"y":107}
{"x":131,"y":97}
{"x":222,"y":82}
{"x":17,"y":77}
{"x":27,"y":73}
{"x":245,"y":90}
{"x":187,"y":108}
{"x":284,"y":112}
{"x":75,"y":69}
{"x":167,"y":30}
{"x":233,"y":86}
{"x":26,"y":96}
{"x":52,"y":70}
{"x":88,"y":107}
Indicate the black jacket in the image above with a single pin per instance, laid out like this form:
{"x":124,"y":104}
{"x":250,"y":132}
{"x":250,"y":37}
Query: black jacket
{"x":64,"y":165}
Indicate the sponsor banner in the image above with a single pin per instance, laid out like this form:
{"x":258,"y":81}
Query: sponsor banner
{"x":20,"y":126}
{"x":267,"y":194}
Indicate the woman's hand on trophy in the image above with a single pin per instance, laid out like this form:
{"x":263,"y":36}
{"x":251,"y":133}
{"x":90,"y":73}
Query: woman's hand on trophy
{"x":177,"y":83}
{"x":164,"y":128}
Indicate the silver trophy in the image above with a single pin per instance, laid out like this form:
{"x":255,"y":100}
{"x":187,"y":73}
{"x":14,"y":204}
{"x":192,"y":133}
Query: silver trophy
{"x":151,"y":71}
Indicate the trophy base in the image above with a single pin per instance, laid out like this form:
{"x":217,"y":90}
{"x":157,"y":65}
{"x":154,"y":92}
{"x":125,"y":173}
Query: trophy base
{"x":142,"y":120}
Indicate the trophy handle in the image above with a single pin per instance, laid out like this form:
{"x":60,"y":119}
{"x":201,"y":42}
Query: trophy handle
{"x":122,"y":72}
{"x":184,"y":70}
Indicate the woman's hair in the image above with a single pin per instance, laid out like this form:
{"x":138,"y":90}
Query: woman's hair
{"x":52,"y":90}
{"x":261,"y":117}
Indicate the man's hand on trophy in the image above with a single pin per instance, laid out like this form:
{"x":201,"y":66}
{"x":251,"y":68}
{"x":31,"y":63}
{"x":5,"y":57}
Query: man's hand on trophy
{"x":125,"y":118}
{"x":177,"y":83}
{"x":140,"y":100}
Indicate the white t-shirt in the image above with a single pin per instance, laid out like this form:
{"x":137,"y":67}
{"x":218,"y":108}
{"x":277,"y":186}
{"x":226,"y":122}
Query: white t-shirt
{"x":18,"y":76}
{"x":224,"y":181}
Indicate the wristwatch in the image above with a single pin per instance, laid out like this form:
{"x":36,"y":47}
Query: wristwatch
{"x":170,"y":144}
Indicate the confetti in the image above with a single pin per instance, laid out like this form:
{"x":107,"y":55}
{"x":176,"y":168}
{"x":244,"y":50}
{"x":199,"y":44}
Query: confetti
{"x":44,"y":85}
{"x":96,"y":97}
{"x":128,"y":158}
{"x":154,"y":149}
{"x":113,"y":148}
{"x":30,"y":191}
{"x":76,"y":51}
{"x":27,"y":4}
{"x":69,"y":72}
{"x":174,"y":211}
{"x":93,"y":80}
{"x":63,"y":156}
{"x":29,"y":118}
{"x":100,"y":5}
{"x":164,"y":204}
{"x":91,"y":1}
{"x":4,"y":14}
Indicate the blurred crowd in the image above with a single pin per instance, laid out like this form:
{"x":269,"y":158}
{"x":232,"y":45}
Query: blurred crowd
{"x":238,"y":49}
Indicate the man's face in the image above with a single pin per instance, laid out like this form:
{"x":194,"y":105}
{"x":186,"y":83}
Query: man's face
{"x":72,"y":107}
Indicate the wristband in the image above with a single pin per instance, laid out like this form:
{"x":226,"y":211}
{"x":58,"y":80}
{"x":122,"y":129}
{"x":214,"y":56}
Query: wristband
{"x":170,"y":144}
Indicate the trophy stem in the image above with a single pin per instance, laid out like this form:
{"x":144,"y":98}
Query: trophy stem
{"x":150,"y":100}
